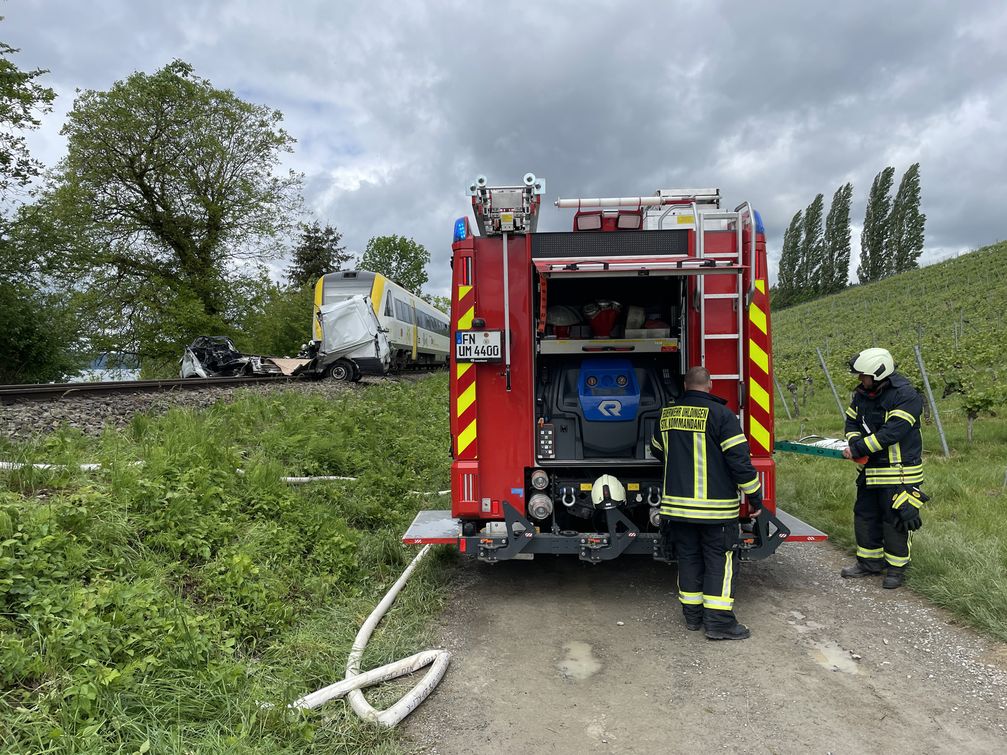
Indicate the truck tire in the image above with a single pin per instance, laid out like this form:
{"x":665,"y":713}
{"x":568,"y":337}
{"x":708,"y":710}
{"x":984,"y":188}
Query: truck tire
{"x":341,"y":369}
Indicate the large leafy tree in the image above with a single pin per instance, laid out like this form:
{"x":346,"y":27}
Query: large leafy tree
{"x":401,"y":259}
{"x":836,"y":258}
{"x":23,"y":99}
{"x":906,"y":223}
{"x":874,"y":237}
{"x":169,"y":186}
{"x":36,"y":332}
{"x":318,"y":252}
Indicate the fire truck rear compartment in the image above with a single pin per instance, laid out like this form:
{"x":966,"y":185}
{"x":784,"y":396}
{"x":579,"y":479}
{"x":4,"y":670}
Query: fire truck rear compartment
{"x":599,"y":393}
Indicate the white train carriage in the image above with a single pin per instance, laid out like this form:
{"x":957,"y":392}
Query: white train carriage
{"x":417,"y":333}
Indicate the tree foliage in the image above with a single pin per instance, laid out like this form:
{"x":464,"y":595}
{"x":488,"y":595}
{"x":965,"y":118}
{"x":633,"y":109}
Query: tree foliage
{"x":22,"y":100}
{"x":874,"y":237}
{"x":906,"y":223}
{"x":836,"y":248}
{"x":399,"y":258}
{"x":276,"y":320}
{"x":812,"y":245}
{"x":790,"y":259}
{"x":318,"y":252}
{"x":169,"y":186}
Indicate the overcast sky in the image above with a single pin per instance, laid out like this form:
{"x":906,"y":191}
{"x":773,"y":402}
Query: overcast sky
{"x":397,"y":106}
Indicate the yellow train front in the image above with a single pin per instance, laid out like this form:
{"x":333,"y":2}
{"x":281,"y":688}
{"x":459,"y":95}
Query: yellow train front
{"x":397,"y":330}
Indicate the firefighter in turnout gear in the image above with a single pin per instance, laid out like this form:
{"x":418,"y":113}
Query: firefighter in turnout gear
{"x":706,"y":462}
{"x":883,"y":432}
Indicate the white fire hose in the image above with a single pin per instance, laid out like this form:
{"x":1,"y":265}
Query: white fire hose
{"x":355,"y":680}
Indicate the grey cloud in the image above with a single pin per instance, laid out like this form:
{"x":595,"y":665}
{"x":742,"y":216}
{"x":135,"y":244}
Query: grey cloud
{"x":398,"y":106}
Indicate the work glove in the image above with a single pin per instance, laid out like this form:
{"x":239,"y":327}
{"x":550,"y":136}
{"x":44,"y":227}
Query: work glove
{"x":907,"y":502}
{"x":755,"y":503}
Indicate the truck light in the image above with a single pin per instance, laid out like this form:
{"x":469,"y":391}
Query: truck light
{"x":540,"y":506}
{"x":539,"y":479}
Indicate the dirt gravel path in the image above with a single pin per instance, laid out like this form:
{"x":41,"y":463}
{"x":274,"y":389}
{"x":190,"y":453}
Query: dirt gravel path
{"x":555,"y":656}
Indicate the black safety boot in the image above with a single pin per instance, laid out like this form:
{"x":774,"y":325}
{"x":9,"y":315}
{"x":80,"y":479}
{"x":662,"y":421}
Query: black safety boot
{"x":858,"y":570}
{"x":894,"y":578}
{"x":693,"y":626}
{"x":736,"y":632}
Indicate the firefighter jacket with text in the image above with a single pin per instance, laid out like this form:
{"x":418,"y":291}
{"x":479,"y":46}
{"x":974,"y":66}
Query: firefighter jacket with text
{"x":884,"y":425}
{"x":706,"y":460}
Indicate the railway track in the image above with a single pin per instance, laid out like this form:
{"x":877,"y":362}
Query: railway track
{"x":12,"y":394}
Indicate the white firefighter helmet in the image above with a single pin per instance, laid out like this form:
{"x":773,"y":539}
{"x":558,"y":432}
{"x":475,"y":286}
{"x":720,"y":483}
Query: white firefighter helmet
{"x":877,"y":363}
{"x":607,"y":492}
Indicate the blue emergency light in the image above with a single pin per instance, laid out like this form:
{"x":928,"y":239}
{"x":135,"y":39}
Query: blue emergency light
{"x":462,"y":230}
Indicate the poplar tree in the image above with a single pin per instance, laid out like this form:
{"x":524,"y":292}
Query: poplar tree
{"x":836,"y":260}
{"x":905,"y":227}
{"x":874,"y":237}
{"x":789,"y":260}
{"x":812,"y":250}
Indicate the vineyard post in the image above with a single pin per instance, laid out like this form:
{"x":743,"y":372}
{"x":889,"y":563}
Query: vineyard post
{"x":933,"y":404}
{"x":782,"y":397}
{"x":828,"y":377}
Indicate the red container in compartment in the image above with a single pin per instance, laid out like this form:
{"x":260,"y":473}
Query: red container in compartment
{"x":603,"y":322}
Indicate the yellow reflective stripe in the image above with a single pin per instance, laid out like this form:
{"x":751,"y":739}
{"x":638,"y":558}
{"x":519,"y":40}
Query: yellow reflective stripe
{"x":718,"y":603}
{"x":466,"y":399}
{"x":465,"y":321}
{"x":757,"y":317}
{"x":851,"y":412}
{"x":656,"y":443}
{"x":698,"y":514}
{"x":699,"y":465}
{"x":901,"y":415}
{"x":463,"y":291}
{"x":895,"y":453}
{"x":872,"y":443}
{"x":894,"y":560}
{"x":677,"y":500}
{"x":462,"y":368}
{"x":759,"y":433}
{"x":758,"y":355}
{"x":466,"y":436}
{"x":751,"y":487}
{"x":725,"y":589}
{"x":870,"y":552}
{"x":904,"y":497}
{"x":760,"y":285}
{"x":734,"y":440}
{"x":893,"y":471}
{"x":690,"y":598}
{"x":851,"y":436}
{"x":758,"y":394}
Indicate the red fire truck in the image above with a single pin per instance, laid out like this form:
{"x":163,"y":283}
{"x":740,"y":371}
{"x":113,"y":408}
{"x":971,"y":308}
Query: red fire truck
{"x":566,"y":346}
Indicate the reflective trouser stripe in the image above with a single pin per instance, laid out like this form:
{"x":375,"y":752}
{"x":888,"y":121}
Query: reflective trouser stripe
{"x":690,"y":598}
{"x":718,"y":602}
{"x":870,"y":553}
{"x":725,"y":590}
{"x":896,"y":560}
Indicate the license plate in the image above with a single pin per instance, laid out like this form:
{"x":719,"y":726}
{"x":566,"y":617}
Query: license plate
{"x":478,"y":346}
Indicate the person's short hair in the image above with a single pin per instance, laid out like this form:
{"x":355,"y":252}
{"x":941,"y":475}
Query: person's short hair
{"x":697,"y":377}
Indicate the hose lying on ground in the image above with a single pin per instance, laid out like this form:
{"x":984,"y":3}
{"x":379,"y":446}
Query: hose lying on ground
{"x":355,"y":680}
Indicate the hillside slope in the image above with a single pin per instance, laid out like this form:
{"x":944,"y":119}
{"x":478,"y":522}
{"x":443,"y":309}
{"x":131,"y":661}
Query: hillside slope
{"x":953,"y":309}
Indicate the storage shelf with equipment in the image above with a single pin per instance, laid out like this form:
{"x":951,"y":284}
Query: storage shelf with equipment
{"x":608,"y":346}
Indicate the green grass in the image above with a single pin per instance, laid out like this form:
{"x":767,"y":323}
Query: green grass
{"x":153,"y":607}
{"x":960,"y":555}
